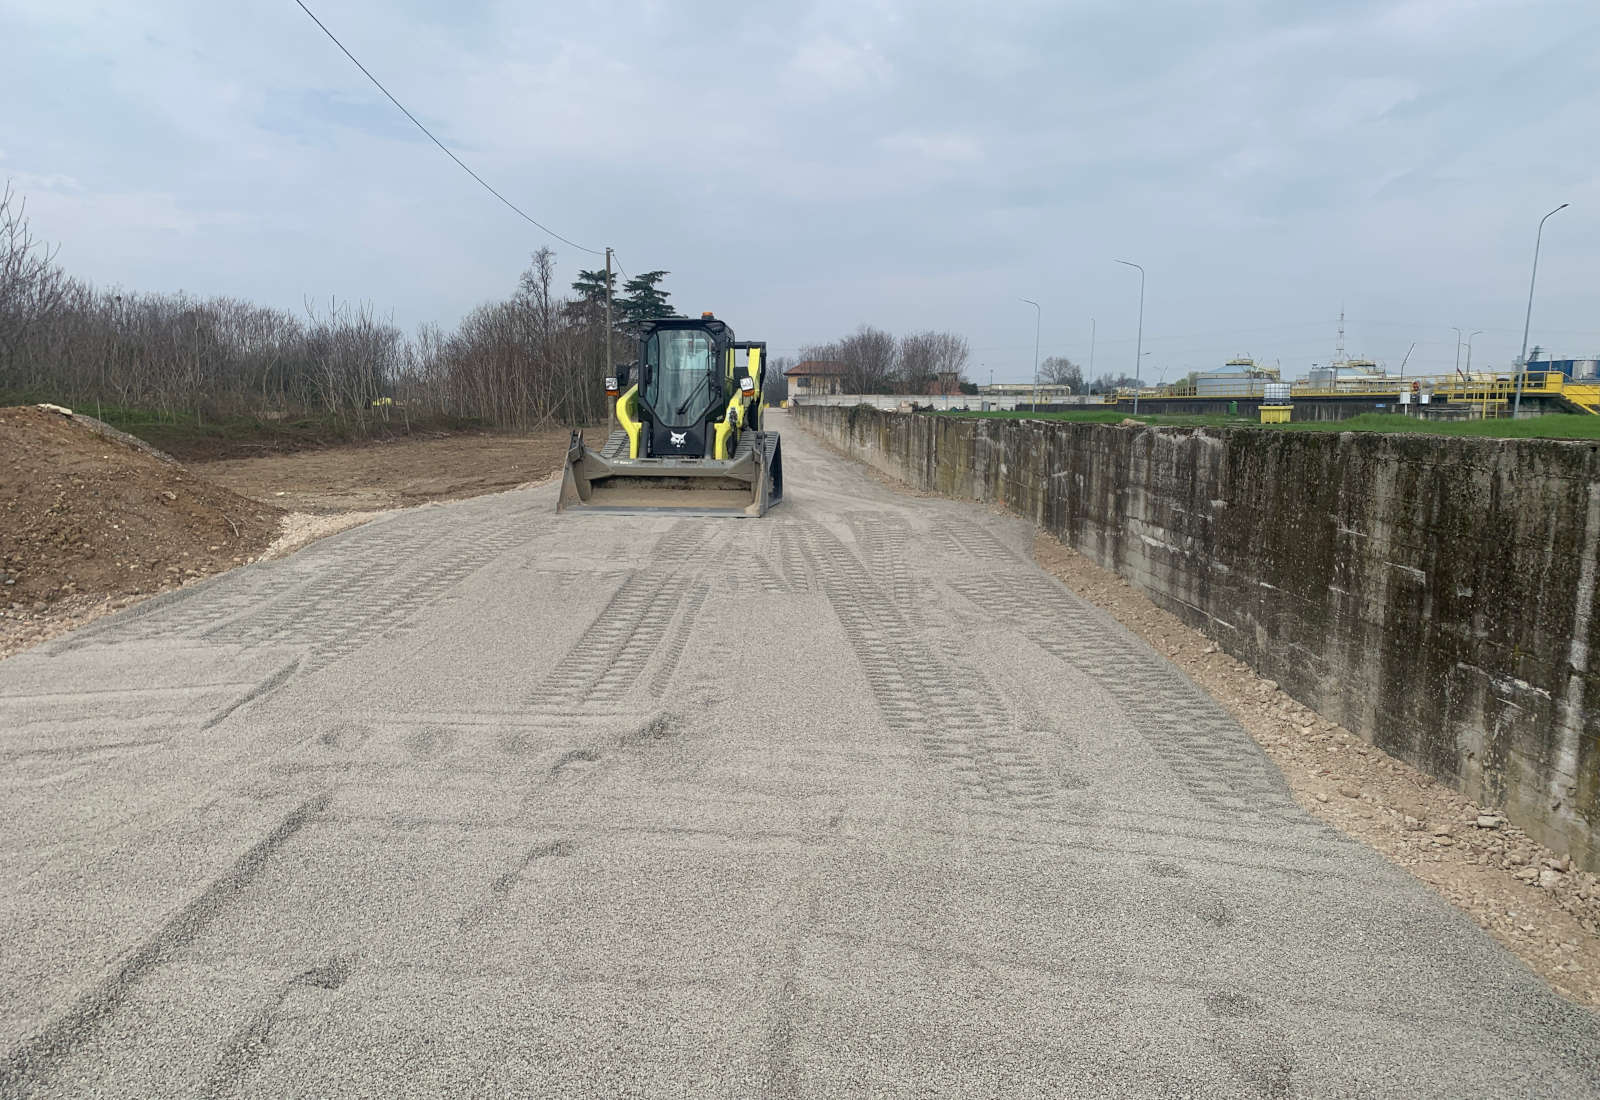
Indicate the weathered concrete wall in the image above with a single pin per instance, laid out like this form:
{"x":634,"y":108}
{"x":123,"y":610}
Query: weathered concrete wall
{"x":1436,"y":595}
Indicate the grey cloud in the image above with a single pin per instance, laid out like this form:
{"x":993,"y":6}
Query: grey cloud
{"x":808,"y":167}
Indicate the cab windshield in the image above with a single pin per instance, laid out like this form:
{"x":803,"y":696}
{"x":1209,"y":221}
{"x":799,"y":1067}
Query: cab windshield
{"x":679,"y":386}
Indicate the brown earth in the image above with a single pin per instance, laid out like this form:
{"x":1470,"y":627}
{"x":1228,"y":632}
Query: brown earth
{"x":86,"y":517}
{"x":391,"y":473}
{"x":1523,"y":894}
{"x":92,"y":521}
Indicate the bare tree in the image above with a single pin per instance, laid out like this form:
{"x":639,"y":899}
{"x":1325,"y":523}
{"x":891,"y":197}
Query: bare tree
{"x":951,"y":354}
{"x":876,"y":362}
{"x":32,"y":287}
{"x":919,"y":355}
{"x":871,"y":358}
{"x":532,"y":359}
{"x":775,"y":386}
{"x":1058,"y":370}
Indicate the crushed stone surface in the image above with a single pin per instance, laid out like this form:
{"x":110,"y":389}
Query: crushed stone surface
{"x":851,"y":801}
{"x":1527,"y":896}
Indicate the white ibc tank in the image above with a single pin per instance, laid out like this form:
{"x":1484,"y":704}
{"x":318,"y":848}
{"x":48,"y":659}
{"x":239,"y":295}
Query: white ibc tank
{"x":1277,"y":393}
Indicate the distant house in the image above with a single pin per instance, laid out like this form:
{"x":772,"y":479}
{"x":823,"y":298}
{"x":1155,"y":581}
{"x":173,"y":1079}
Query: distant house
{"x":815,"y":377}
{"x":947,"y":383}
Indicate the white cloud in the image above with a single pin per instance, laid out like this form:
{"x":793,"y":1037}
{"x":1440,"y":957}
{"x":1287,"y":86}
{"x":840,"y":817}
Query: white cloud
{"x":947,"y":148}
{"x":826,"y":66}
{"x":908,"y":163}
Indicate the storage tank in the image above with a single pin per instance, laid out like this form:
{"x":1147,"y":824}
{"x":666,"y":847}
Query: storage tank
{"x":1239,"y":377}
{"x":1278,"y":393}
{"x":1227,"y":384}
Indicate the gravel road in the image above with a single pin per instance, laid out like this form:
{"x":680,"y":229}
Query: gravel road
{"x":849,"y":801}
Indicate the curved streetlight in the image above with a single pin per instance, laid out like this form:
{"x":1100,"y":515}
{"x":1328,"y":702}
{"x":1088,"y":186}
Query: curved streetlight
{"x":1516,"y":407}
{"x":1458,"y":349}
{"x":1037,"y":314}
{"x":1138,"y":351}
{"x":1470,"y":335}
{"x":1091,"y":347}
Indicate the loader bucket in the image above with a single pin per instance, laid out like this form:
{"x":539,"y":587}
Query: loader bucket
{"x":745,"y":485}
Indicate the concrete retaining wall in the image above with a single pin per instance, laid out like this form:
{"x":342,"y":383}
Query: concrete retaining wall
{"x":1435,"y":595}
{"x":892,"y":401}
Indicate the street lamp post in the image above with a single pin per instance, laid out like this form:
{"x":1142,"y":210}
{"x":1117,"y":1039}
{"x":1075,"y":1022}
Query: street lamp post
{"x":1138,"y":351}
{"x":1138,"y":382}
{"x":1522,"y":367}
{"x":1037,"y":314}
{"x":1458,"y":349}
{"x":1470,"y":335}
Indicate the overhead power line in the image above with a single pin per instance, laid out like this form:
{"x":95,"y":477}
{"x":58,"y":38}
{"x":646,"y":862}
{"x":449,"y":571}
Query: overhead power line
{"x":376,"y":83}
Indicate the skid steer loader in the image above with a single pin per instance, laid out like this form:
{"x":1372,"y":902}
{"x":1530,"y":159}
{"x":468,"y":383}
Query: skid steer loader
{"x":689,"y":439}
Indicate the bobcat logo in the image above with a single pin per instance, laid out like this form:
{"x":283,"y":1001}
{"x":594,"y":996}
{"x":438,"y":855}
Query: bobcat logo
{"x":679,"y":438}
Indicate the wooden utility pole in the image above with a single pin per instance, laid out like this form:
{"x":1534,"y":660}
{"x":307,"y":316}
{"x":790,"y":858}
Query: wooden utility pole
{"x":611,"y":370}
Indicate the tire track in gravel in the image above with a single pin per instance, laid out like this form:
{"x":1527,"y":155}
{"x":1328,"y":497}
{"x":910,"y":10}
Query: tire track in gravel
{"x":951,"y":710}
{"x":35,"y":1059}
{"x":613,"y":652}
{"x":1209,"y":753}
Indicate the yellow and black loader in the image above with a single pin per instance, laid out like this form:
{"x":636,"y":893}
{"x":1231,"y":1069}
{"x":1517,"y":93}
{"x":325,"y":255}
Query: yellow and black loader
{"x":689,"y":438}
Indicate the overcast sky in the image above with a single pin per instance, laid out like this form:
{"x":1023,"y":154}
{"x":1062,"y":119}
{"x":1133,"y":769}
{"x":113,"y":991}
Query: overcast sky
{"x":804,"y":168}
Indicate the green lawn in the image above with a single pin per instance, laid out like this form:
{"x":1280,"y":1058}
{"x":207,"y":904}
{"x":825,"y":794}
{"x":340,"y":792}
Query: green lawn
{"x":1557,"y":426}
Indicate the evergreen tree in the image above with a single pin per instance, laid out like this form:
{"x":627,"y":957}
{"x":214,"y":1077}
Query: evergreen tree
{"x":642,"y":299}
{"x":590,"y":306}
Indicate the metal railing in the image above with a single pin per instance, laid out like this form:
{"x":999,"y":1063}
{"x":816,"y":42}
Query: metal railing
{"x":1487,"y":390}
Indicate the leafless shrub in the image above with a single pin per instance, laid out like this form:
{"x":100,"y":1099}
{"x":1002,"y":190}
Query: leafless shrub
{"x":875,"y":362}
{"x":531,"y":360}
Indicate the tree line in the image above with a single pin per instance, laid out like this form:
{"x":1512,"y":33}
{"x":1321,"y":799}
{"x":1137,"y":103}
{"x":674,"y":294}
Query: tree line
{"x":536,"y":358}
{"x":876,"y":361}
{"x":1058,"y":370}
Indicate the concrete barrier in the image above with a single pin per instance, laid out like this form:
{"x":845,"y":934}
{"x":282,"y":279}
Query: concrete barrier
{"x":1434,"y":594}
{"x":891,"y":402}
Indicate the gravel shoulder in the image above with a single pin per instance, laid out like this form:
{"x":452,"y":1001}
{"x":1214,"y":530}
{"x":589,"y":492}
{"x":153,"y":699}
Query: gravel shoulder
{"x":1531,"y":900}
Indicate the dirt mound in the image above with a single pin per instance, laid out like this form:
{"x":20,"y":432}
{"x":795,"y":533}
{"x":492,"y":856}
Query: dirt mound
{"x":84,"y":514}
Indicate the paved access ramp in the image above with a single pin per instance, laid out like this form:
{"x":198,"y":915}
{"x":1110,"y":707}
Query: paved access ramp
{"x":849,"y":801}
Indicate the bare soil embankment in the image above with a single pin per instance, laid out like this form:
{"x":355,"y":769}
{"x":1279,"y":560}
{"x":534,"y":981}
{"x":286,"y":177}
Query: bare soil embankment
{"x":92,"y":521}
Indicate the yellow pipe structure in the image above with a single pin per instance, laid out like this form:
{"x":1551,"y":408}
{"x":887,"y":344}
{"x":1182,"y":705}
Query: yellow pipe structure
{"x":625,"y":417}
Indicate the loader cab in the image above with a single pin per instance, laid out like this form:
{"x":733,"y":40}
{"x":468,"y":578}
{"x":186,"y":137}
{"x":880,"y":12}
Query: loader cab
{"x":682,"y":383}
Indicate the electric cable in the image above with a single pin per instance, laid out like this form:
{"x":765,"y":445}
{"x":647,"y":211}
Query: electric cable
{"x":376,"y":83}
